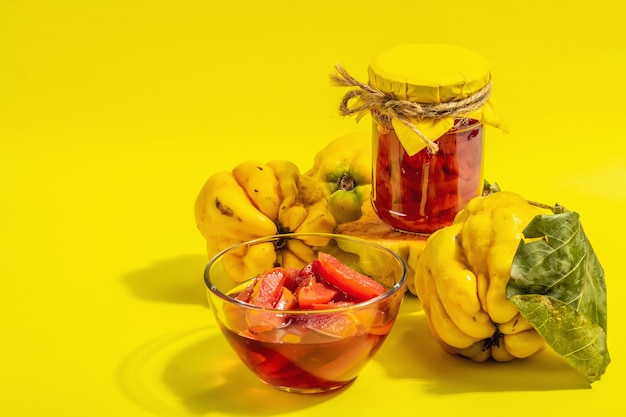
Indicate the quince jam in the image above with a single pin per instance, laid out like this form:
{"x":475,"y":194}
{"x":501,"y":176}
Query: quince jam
{"x":423,"y":192}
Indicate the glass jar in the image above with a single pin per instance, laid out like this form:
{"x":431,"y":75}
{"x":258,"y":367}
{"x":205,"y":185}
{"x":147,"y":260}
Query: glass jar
{"x":423,"y":192}
{"x":428,"y":132}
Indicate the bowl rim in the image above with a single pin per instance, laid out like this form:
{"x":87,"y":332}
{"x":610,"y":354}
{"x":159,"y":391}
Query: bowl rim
{"x":398,"y":286}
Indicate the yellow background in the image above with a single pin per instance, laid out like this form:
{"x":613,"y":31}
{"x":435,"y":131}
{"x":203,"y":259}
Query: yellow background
{"x":114,"y":112}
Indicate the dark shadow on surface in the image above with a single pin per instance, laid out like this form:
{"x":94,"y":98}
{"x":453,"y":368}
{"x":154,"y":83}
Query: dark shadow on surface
{"x":195,"y":373}
{"x":411,"y":352}
{"x":177,"y":280}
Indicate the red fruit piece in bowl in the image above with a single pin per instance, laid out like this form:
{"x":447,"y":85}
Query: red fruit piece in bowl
{"x":314,"y":293}
{"x":348,"y":280}
{"x":268,"y":292}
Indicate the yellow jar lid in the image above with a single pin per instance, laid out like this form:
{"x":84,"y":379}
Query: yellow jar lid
{"x":431,"y":74}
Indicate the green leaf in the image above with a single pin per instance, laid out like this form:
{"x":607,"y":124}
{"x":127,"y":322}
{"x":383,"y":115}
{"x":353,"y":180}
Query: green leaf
{"x":557,"y":284}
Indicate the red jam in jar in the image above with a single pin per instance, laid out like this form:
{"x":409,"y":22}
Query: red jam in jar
{"x":424,"y":192}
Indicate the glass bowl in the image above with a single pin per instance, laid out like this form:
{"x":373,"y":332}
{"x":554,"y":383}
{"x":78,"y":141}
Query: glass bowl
{"x":310,"y":349}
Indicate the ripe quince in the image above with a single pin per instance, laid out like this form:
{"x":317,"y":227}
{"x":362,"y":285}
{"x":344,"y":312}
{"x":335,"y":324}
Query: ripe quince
{"x":344,"y":167}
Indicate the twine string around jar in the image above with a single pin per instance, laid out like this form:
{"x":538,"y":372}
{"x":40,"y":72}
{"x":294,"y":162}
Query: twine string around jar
{"x":385,"y":106}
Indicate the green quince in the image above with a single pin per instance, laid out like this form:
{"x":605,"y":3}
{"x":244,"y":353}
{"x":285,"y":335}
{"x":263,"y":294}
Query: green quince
{"x":344,"y":167}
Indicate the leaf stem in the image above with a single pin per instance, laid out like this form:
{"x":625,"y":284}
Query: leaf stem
{"x":556,"y":208}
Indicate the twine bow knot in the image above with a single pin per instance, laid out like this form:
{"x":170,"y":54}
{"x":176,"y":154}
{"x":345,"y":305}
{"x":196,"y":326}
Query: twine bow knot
{"x":384,"y":107}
